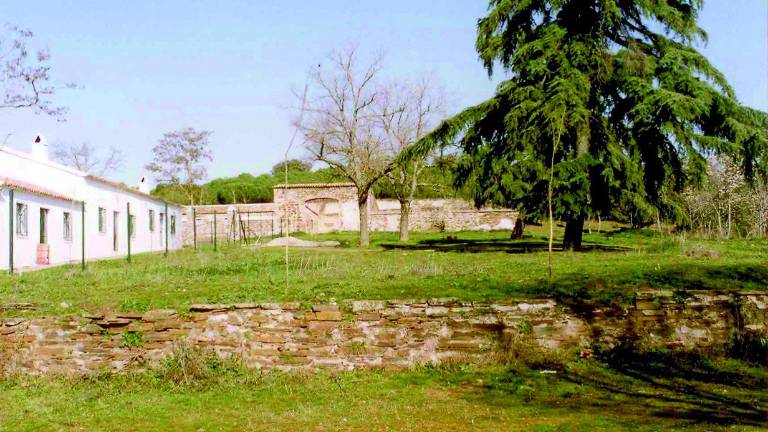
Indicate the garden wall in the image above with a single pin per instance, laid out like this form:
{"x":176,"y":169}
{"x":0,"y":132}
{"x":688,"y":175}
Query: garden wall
{"x":363,"y":334}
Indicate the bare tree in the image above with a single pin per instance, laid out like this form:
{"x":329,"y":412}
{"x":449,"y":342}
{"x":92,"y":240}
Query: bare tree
{"x":179,"y":159}
{"x":86,"y":157}
{"x":341,"y":125}
{"x":408,"y":112}
{"x":25,"y":76}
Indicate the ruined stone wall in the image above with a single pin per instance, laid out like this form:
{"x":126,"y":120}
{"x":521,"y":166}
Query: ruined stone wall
{"x":232,"y":222}
{"x":362,"y":334}
{"x":441,"y":214}
{"x":293,"y":210}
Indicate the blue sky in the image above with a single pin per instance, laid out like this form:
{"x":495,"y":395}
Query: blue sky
{"x":147,"y":67}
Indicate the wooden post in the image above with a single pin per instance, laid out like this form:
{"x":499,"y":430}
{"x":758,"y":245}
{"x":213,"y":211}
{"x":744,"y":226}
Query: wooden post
{"x":10,"y":231}
{"x":130,"y":228}
{"x":214,"y":231}
{"x":194,"y":229}
{"x":82,"y":235}
{"x":166,"y":229}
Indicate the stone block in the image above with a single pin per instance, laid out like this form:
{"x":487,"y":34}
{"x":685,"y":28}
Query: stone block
{"x":326,"y":308}
{"x":328,"y":316}
{"x":209,"y":308}
{"x":158,"y":314}
{"x":437,"y":311}
{"x":322,"y":326}
{"x":367,"y":305}
{"x":367,"y":316}
{"x":443,"y":301}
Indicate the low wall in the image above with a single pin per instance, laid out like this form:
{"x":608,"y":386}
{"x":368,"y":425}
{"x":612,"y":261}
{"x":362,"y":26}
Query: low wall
{"x":444,"y":214}
{"x":362,"y":334}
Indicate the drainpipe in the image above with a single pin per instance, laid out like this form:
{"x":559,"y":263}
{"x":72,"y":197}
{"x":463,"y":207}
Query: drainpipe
{"x":10,"y":231}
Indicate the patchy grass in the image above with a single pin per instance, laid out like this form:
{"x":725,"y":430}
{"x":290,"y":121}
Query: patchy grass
{"x":468,"y":265}
{"x":658,"y":391}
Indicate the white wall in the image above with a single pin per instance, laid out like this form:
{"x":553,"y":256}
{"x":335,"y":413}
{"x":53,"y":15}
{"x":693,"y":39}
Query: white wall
{"x":96,"y":194}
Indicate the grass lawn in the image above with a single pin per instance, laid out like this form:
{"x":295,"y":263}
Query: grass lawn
{"x":654,"y":393}
{"x":468,"y":265}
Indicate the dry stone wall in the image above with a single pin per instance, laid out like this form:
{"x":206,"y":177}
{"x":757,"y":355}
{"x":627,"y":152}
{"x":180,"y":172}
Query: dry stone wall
{"x":364,"y":334}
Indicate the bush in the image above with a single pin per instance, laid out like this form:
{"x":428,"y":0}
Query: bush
{"x":195,"y":366}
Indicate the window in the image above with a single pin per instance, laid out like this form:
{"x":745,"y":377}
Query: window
{"x":173,"y":225}
{"x":67,"y":226}
{"x":21,"y":220}
{"x":102,"y":220}
{"x":152,"y":220}
{"x":132,"y":225}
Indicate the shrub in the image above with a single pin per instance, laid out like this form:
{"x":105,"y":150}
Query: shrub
{"x":195,"y":366}
{"x":132,"y":339}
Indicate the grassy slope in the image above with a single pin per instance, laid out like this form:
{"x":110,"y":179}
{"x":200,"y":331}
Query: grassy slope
{"x":479,"y":266}
{"x":661,"y":394}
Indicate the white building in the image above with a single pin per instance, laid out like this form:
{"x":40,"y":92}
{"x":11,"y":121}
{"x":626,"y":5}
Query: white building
{"x":42,"y":221}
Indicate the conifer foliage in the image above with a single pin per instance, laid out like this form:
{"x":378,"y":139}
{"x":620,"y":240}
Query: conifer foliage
{"x":612,"y":96}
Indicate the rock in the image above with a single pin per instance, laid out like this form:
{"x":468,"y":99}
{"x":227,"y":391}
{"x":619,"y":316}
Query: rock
{"x":91,"y":329}
{"x":13,"y":322}
{"x":209,"y":307}
{"x":325,"y":307}
{"x":326,"y":316}
{"x":17,"y":306}
{"x":114,"y":322}
{"x":367,"y":305}
{"x":158,"y":314}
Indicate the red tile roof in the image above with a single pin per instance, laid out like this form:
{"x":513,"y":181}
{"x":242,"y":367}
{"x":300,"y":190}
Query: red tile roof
{"x":10,"y":183}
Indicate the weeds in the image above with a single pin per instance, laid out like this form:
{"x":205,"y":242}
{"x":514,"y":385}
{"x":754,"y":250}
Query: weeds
{"x":132,"y":339}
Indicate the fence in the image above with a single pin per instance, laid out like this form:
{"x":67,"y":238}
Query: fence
{"x":234,"y":225}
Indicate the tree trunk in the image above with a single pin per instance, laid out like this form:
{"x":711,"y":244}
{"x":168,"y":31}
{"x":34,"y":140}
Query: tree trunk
{"x":574,"y":229}
{"x":362,"y":204}
{"x":405,"y":216}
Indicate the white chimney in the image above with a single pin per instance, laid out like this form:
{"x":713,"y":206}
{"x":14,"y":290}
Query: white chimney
{"x":40,"y":148}
{"x":144,"y":185}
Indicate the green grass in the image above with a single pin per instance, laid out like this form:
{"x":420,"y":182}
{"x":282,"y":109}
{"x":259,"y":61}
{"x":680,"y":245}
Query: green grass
{"x":662,"y":392}
{"x":468,"y":265}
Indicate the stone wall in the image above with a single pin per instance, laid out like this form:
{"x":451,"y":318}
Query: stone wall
{"x":320,"y":208}
{"x":362,"y":334}
{"x":443,"y":214}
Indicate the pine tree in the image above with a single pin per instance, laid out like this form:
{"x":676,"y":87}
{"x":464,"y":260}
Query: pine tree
{"x":600,"y":110}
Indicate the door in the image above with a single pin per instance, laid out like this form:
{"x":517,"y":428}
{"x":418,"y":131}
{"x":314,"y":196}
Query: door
{"x":43,"y":226}
{"x":115,"y":229}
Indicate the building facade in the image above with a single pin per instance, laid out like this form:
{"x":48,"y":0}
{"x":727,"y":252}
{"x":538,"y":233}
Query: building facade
{"x":52,"y":214}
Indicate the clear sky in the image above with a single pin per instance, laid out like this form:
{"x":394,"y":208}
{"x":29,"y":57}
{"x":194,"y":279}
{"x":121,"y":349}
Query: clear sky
{"x":147,"y":67}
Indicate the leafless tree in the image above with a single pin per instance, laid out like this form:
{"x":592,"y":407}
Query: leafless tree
{"x":25,"y":76}
{"x":86,"y":157}
{"x":408,"y":112}
{"x":341,"y":125}
{"x":179,"y":159}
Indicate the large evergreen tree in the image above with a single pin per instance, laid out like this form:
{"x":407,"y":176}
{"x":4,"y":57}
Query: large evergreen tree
{"x":607,"y":106}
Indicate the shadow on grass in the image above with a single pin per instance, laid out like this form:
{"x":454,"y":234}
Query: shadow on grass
{"x":508,"y":246}
{"x":584,"y":291}
{"x":680,"y":386}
